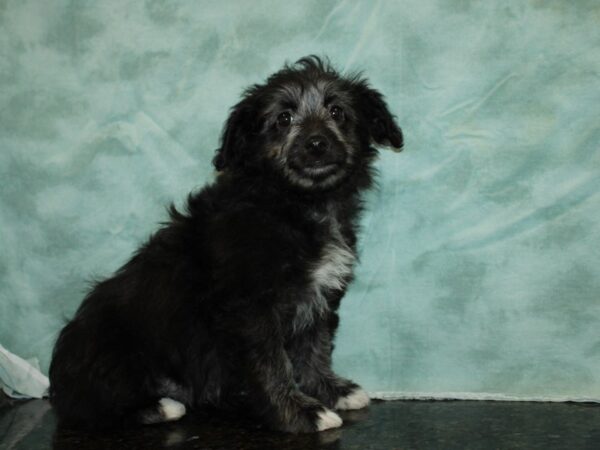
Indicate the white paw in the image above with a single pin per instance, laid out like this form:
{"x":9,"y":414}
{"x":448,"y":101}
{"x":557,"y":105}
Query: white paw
{"x":171,"y":409}
{"x":356,"y":399}
{"x":328,"y":419}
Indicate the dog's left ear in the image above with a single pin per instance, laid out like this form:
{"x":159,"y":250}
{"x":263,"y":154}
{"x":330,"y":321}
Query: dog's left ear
{"x":377,"y":118}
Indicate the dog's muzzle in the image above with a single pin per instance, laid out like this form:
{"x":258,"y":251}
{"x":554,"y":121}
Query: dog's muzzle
{"x":317,"y":157}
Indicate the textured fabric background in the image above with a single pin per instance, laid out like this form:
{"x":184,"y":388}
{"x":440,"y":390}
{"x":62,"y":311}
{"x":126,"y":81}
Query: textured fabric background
{"x":480,"y":269}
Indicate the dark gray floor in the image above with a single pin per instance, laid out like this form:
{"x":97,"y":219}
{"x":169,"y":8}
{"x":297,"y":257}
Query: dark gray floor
{"x":384,"y":425}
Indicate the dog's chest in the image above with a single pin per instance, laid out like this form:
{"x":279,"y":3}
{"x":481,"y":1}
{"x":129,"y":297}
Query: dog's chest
{"x":334,"y":267}
{"x":330,"y":272}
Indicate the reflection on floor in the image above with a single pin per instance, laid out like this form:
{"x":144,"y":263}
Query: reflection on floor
{"x":384,"y":425}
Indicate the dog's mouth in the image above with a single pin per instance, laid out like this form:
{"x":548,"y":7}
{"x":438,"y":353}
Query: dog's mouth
{"x":312,"y":168}
{"x":318,"y":169}
{"x":316,"y":176}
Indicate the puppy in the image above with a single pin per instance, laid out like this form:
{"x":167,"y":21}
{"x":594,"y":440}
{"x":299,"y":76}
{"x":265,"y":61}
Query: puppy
{"x":233,"y":303}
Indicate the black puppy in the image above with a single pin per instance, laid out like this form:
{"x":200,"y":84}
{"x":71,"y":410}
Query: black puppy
{"x":233,"y":303}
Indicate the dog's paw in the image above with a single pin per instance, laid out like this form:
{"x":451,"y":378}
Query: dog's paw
{"x":171,"y":409}
{"x":356,"y":399}
{"x":328,"y":419}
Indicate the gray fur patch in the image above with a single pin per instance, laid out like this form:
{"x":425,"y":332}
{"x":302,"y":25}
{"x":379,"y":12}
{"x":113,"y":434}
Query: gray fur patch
{"x":334,"y":267}
{"x":331,"y":272}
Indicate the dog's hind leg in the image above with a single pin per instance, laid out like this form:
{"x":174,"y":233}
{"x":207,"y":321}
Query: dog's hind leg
{"x":102,"y":380}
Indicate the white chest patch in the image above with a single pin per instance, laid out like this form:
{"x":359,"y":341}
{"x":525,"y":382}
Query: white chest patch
{"x":335,"y":264}
{"x":331,"y":272}
{"x":334,"y":267}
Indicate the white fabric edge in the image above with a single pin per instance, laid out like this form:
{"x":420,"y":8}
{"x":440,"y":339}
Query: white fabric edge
{"x":20,"y":378}
{"x":481,"y":396}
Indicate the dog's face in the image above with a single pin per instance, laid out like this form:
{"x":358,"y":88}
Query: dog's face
{"x":307,"y":124}
{"x":310,"y":132}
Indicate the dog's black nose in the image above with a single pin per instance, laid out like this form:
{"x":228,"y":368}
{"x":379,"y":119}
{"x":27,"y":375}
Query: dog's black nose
{"x":317,"y":144}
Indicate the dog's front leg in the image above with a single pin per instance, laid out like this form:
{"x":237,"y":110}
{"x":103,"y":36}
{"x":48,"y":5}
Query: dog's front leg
{"x":311,"y":358}
{"x":274,"y":395}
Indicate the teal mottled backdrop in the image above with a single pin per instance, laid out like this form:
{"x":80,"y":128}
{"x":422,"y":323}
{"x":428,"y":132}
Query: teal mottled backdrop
{"x":480,"y":268}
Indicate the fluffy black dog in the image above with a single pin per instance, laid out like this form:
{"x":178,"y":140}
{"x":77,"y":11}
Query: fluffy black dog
{"x":233,"y":303}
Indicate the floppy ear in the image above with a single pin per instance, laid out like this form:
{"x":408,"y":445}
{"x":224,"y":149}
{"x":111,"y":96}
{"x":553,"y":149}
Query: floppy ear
{"x":235,"y":137}
{"x":377,"y":118}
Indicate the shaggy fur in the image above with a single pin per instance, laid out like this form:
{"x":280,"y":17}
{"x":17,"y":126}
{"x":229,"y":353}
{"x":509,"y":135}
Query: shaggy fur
{"x":233,"y":303}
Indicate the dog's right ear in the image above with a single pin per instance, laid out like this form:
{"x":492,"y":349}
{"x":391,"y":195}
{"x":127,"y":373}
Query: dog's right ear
{"x":235,"y":137}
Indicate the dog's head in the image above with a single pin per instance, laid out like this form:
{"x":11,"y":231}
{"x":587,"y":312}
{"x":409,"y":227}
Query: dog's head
{"x":308,"y":125}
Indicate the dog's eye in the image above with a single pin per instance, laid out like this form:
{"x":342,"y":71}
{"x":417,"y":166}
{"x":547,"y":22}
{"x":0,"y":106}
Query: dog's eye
{"x":336,"y":113}
{"x":284,"y":119}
